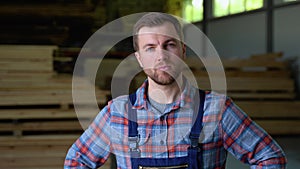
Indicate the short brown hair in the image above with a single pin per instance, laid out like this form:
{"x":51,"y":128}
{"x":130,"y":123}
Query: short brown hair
{"x":155,"y":19}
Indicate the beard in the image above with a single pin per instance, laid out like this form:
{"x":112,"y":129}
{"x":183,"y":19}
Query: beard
{"x":161,"y":77}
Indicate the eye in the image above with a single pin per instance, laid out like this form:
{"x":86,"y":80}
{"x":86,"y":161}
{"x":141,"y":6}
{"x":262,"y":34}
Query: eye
{"x":149,"y":49}
{"x":171,"y":45}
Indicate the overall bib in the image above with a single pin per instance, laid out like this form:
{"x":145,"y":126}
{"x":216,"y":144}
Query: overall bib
{"x":191,"y":161}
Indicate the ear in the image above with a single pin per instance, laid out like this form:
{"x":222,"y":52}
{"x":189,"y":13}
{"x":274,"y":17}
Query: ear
{"x":183,"y":51}
{"x":138,"y":58}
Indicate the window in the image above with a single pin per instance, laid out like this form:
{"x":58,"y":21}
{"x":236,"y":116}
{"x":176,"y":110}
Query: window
{"x":277,"y":2}
{"x":193,"y":10}
{"x":228,"y":7}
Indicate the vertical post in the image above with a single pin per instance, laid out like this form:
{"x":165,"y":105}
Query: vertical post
{"x":205,"y":16}
{"x":270,"y":24}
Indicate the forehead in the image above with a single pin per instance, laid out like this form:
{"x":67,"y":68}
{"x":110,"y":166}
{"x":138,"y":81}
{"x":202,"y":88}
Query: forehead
{"x":166,"y":29}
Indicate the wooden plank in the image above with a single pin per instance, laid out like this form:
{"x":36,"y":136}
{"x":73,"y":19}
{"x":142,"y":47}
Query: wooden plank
{"x":42,"y":161}
{"x":280,"y":127}
{"x":55,"y":82}
{"x":267,"y":56}
{"x":20,"y":76}
{"x":49,"y":113}
{"x":41,"y":126}
{"x":19,"y":152}
{"x":38,"y":163}
{"x":26,"y":66}
{"x":35,"y":151}
{"x":247,"y":73}
{"x":27,"y":51}
{"x":47,"y":96}
{"x":252,"y":84}
{"x":261,"y":96}
{"x":271,"y":109}
{"x":38,"y":140}
{"x":195,"y":63}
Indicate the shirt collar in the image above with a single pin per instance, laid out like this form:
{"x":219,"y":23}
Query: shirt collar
{"x":185,"y":101}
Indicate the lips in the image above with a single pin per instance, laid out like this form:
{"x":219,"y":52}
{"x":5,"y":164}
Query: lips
{"x":164,"y":68}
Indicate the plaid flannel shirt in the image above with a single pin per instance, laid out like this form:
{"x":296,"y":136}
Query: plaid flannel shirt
{"x":226,"y":128}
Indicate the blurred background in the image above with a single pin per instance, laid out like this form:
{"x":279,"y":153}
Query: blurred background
{"x":257,"y":41}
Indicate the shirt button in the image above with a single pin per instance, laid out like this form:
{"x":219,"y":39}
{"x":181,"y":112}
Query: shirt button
{"x":161,"y":142}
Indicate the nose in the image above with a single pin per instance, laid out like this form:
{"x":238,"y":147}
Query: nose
{"x":162,"y":54}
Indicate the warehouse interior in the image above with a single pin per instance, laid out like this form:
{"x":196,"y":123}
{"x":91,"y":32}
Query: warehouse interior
{"x":41,"y":42}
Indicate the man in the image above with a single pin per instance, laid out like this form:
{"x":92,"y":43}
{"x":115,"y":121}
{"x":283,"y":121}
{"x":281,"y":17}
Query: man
{"x":164,"y":123}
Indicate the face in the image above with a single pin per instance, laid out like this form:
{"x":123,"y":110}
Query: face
{"x":160,"y":53}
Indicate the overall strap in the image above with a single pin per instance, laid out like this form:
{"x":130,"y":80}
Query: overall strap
{"x":198,"y":116}
{"x":194,"y":151}
{"x":133,"y":137}
{"x":132,"y":117}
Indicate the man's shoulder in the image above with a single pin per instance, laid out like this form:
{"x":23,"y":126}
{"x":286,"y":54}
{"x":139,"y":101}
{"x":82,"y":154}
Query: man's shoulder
{"x":215,"y":96}
{"x":119,"y":104}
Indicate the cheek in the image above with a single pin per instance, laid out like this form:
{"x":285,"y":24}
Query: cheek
{"x":148,"y":62}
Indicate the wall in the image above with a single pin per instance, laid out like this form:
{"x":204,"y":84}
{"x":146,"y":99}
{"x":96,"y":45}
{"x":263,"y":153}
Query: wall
{"x":239,"y":36}
{"x":287,"y":30}
{"x":244,"y":35}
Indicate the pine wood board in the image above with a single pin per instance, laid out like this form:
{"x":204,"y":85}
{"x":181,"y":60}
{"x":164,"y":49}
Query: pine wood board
{"x":26,"y":66}
{"x":41,"y":126}
{"x":20,"y":76}
{"x":46,"y":113}
{"x":196,"y":64}
{"x":32,"y":162}
{"x":280,"y":127}
{"x":247,"y":73}
{"x":38,"y":140}
{"x":267,"y":56}
{"x":35,"y":151}
{"x":252,"y":84}
{"x":261,"y":96}
{"x":38,"y":163}
{"x":29,"y":52}
{"x":271,"y":109}
{"x":48,"y":97}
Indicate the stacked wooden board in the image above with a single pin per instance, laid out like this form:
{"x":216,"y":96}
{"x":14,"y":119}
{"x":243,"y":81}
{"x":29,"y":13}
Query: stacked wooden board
{"x":263,"y":87}
{"x":38,"y":122}
{"x":46,"y":22}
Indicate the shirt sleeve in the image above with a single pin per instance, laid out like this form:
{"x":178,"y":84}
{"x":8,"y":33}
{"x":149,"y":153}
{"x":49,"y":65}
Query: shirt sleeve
{"x":248,"y":142}
{"x":92,"y":148}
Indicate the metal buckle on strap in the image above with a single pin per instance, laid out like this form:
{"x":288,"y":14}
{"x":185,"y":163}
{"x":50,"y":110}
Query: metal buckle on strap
{"x":133,"y":144}
{"x":168,"y":167}
{"x":194,"y":143}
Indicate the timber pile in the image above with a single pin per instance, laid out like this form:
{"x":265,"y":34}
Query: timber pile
{"x":38,"y":122}
{"x":45,"y":22}
{"x":263,"y":87}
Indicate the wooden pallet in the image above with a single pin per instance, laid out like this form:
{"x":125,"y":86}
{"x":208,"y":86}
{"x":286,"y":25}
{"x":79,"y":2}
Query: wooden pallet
{"x":36,"y":152}
{"x":262,"y":86}
{"x":38,"y":122}
{"x":276,"y":117}
{"x":259,"y":77}
{"x":53,"y":91}
{"x":22,"y":58}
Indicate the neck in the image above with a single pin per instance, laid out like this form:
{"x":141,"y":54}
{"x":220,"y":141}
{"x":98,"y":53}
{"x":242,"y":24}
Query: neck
{"x":165,"y":94}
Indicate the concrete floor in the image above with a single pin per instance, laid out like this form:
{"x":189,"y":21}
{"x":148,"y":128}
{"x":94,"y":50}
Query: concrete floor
{"x":291,"y":147}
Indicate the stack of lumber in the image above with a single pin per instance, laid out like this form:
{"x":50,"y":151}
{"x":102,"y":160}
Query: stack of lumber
{"x":262,"y":85}
{"x":38,"y":122}
{"x":45,"y":22}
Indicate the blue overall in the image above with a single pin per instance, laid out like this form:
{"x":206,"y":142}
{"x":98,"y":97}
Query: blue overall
{"x":191,"y":161}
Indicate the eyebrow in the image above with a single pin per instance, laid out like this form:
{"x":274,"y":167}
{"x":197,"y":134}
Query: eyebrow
{"x":167,"y":41}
